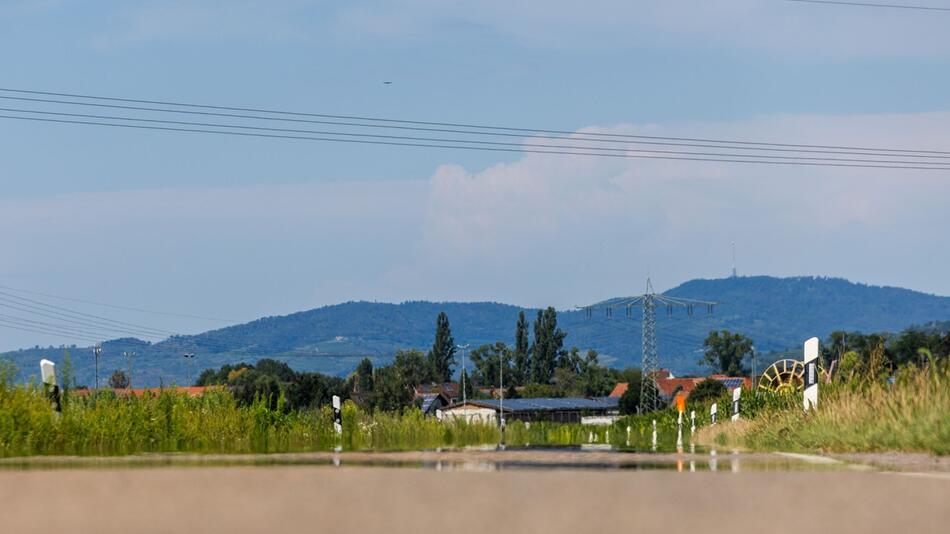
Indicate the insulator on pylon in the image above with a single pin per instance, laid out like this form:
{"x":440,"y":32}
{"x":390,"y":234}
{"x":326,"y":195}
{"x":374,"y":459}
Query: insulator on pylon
{"x":587,"y":312}
{"x":669,"y":309}
{"x":689,"y":310}
{"x":610,"y":312}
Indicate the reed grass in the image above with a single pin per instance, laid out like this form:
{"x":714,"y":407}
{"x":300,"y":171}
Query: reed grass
{"x":912,"y":414}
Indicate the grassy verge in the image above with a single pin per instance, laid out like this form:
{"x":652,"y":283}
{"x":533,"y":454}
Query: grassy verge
{"x":912,"y":414}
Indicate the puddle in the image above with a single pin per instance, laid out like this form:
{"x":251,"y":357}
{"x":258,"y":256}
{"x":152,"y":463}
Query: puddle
{"x":584,"y":457}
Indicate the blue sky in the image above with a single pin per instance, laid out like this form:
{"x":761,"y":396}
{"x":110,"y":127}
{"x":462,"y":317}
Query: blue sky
{"x":241,"y":228}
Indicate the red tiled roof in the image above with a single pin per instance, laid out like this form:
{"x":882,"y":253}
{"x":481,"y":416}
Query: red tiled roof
{"x":668,"y":386}
{"x":619,"y":389}
{"x":191,"y":391}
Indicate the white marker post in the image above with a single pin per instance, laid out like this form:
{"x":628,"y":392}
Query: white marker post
{"x":679,"y":431}
{"x":736,"y":393}
{"x":810,"y":394}
{"x":692,"y":426}
{"x":48,"y":372}
{"x":628,"y":435}
{"x":712,"y":413}
{"x":338,"y":422}
{"x":654,"y":435}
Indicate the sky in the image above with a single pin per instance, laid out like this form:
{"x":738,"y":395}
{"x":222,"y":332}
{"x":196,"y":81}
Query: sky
{"x":239,"y":228}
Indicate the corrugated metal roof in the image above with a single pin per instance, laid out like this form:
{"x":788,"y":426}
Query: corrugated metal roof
{"x":549,"y":404}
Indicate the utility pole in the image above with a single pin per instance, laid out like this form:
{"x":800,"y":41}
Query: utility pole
{"x":650,"y":364}
{"x":501,"y":393}
{"x":190,"y":356}
{"x":129,"y":356}
{"x":97,"y":350}
{"x":464,"y":396}
{"x":753,"y":371}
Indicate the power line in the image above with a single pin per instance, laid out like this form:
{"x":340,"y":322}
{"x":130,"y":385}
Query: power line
{"x":873,"y":4}
{"x":727,"y":159}
{"x":483,"y":128}
{"x":59,"y":328}
{"x":17,"y":326}
{"x":99,"y":330}
{"x":860,"y":151}
{"x":479,"y":142}
{"x":102,"y":321}
{"x":116,"y":307}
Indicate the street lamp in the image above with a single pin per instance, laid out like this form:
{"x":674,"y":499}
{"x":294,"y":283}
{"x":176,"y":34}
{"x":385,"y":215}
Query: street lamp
{"x":190,"y":356}
{"x":753,"y":371}
{"x":97,"y":350}
{"x":464,"y":397}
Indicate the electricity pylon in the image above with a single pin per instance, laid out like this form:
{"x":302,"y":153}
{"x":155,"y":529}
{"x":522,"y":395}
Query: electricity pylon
{"x":650,"y":365}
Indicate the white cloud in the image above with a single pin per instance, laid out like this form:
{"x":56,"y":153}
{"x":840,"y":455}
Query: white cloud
{"x":543,"y":230}
{"x":575,"y":219}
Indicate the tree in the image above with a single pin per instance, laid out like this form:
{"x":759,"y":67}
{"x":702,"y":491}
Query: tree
{"x":548,"y":344}
{"x":521,"y":355}
{"x":630,"y":400}
{"x":365,"y":385}
{"x":707,"y":390}
{"x":466,"y":382}
{"x":442,"y":355}
{"x":725,"y":351}
{"x":313,"y":390}
{"x":486,"y":361}
{"x":412,"y":365}
{"x":595,"y":378}
{"x":67,"y":375}
{"x":118,"y":380}
{"x":392,"y":392}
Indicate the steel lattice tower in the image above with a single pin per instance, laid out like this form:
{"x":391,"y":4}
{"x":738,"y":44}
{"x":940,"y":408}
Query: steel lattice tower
{"x":650,"y":363}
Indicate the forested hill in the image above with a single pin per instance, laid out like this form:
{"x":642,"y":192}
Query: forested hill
{"x":777,"y":313}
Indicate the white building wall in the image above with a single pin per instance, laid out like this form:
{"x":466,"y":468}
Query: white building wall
{"x":471,"y":414}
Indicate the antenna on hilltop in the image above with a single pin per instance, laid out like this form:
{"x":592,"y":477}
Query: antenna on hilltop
{"x":734,"y":259}
{"x":650,"y":366}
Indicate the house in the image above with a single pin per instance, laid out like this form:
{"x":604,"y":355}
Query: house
{"x":669,"y":385}
{"x":450,"y":390}
{"x":430,"y":403}
{"x":559,"y":410}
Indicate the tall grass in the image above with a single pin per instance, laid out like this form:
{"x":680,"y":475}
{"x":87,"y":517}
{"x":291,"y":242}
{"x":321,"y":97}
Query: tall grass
{"x":911,"y":414}
{"x":106,"y":424}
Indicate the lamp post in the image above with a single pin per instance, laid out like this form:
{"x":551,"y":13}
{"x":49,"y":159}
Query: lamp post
{"x":97,"y":350}
{"x":189,"y":357}
{"x":129,"y":356}
{"x":464,"y":396}
{"x":753,"y":370}
{"x":501,"y":394}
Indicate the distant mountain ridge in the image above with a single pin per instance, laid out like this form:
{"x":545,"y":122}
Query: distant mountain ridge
{"x":777,"y":313}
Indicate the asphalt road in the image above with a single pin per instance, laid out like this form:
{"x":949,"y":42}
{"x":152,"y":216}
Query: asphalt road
{"x":328,"y":499}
